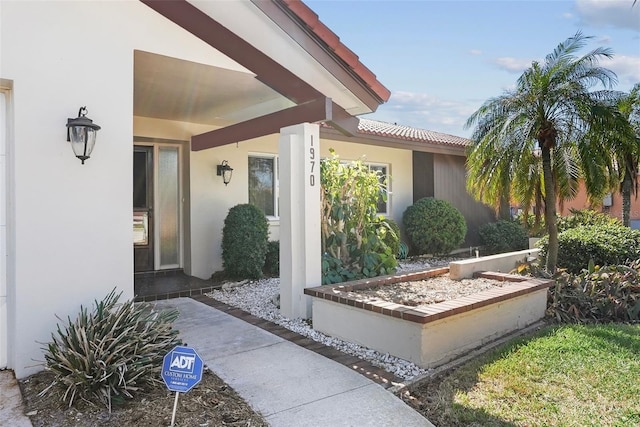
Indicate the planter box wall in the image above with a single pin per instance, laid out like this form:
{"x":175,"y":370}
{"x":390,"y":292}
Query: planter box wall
{"x":434,"y":334}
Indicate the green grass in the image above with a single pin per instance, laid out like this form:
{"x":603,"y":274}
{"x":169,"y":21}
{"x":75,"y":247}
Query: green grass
{"x":573,"y":375}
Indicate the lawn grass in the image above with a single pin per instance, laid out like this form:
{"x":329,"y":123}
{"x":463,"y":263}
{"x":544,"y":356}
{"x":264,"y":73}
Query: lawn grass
{"x":571,"y":375}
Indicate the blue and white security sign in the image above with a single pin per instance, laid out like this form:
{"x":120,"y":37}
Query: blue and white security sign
{"x":181,"y":369}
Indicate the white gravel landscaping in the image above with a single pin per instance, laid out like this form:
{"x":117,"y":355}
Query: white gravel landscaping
{"x":257,"y":298}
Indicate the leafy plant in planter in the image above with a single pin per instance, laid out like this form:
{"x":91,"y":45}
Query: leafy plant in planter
{"x":353,"y":237}
{"x":112,"y":352}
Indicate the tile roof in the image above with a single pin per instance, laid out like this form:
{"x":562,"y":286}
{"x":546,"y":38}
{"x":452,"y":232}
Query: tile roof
{"x":333,"y":43}
{"x":408,"y":133}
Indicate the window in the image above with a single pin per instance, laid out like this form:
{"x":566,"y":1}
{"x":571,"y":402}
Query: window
{"x":382,"y":170}
{"x":263,"y":186}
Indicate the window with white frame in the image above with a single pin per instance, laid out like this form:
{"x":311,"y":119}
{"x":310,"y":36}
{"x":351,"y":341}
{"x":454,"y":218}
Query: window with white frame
{"x":383,"y":176}
{"x":263,"y":183}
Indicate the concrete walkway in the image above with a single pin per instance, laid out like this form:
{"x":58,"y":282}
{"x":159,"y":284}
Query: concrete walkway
{"x":289,"y":385}
{"x":11,"y":408}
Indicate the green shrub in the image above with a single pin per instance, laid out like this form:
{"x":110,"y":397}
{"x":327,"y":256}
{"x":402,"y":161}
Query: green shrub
{"x":585,"y":217}
{"x":607,"y":294}
{"x":434,"y":226}
{"x":503,"y":236}
{"x":244,"y":241}
{"x":608,"y":244}
{"x":112,"y":352}
{"x":272,"y":259}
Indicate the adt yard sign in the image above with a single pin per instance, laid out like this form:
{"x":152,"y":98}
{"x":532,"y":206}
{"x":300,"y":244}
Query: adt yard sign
{"x":181,"y":369}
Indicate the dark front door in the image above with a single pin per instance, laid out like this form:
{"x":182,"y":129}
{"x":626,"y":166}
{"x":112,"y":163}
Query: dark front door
{"x":143,"y":209}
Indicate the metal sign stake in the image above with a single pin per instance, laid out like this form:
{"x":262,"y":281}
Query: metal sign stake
{"x":175,"y":407}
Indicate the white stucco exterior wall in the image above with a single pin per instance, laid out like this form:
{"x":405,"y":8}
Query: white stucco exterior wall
{"x":72,"y":222}
{"x":211,"y":200}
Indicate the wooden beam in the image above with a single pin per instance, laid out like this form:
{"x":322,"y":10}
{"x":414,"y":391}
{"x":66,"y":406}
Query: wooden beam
{"x":344,"y":122}
{"x":318,"y":110}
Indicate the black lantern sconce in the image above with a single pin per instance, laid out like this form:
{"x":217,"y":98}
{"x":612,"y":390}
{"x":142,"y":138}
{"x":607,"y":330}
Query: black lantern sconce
{"x":81,"y":132}
{"x":225,"y":171}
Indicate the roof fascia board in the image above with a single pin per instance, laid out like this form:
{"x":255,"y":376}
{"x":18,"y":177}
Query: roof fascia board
{"x":309,"y":42}
{"x":320,"y":109}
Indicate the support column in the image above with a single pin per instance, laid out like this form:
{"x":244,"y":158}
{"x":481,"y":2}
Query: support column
{"x":300,"y":249}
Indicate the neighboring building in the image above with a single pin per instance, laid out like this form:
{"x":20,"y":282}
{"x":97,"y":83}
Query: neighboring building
{"x":177,"y":88}
{"x":611,"y":204}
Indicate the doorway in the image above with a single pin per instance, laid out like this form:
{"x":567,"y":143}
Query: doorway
{"x":157,"y":207}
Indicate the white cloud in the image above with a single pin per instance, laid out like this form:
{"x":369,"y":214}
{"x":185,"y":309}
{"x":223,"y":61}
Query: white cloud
{"x":609,"y":13}
{"x":604,"y":40}
{"x":513,"y":65}
{"x":626,"y":67}
{"x":424,"y":111}
{"x":475,"y":52}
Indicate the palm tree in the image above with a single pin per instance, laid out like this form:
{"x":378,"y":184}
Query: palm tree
{"x":553,"y":113}
{"x":626,"y":147}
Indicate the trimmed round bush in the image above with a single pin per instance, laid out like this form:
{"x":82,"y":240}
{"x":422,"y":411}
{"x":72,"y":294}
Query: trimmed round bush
{"x":503,"y":236}
{"x":608,"y":244}
{"x":434,"y":226}
{"x":244,"y":241}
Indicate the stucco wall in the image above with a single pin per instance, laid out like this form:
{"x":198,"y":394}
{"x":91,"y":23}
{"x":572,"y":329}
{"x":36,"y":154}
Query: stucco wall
{"x":72,"y":222}
{"x":211,"y":200}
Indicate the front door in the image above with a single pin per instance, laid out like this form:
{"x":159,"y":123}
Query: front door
{"x":157,"y":207}
{"x":143,"y":250}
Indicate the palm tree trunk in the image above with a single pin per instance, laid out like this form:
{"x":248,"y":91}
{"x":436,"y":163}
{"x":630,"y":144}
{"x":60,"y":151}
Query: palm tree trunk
{"x":550,"y":211}
{"x":626,"y":199}
{"x":504,"y":211}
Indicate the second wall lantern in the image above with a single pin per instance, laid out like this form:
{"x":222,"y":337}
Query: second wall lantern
{"x":225,"y":171}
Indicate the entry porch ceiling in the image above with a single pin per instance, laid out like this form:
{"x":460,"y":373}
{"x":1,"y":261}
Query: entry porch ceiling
{"x":289,"y":84}
{"x":174,"y":89}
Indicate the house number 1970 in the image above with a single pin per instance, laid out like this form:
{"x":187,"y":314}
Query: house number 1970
{"x":312,"y":162}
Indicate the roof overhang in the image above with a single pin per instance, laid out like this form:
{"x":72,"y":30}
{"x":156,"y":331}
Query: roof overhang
{"x":292,"y":61}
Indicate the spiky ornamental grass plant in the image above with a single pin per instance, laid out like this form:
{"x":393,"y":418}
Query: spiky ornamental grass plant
{"x":110,"y":353}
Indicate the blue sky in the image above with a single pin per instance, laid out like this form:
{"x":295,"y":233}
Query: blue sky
{"x":442,"y":59}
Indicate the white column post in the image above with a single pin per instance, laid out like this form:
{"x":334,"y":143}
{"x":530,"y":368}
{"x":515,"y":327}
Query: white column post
{"x":300,"y":248}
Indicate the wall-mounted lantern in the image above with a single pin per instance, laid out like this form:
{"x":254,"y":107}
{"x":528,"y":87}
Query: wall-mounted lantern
{"x":225,"y":171}
{"x":81,"y":132}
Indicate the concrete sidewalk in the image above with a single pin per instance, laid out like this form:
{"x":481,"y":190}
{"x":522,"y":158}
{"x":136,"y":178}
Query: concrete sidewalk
{"x":11,"y":408}
{"x":289,"y":385}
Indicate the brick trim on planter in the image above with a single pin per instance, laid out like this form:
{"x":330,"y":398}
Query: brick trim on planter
{"x":339,"y":293}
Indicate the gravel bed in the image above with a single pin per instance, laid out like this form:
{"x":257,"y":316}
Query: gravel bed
{"x":259,"y":298}
{"x":419,"y":293}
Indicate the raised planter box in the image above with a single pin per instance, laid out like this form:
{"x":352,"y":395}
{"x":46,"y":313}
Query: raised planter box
{"x":435,"y":334}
